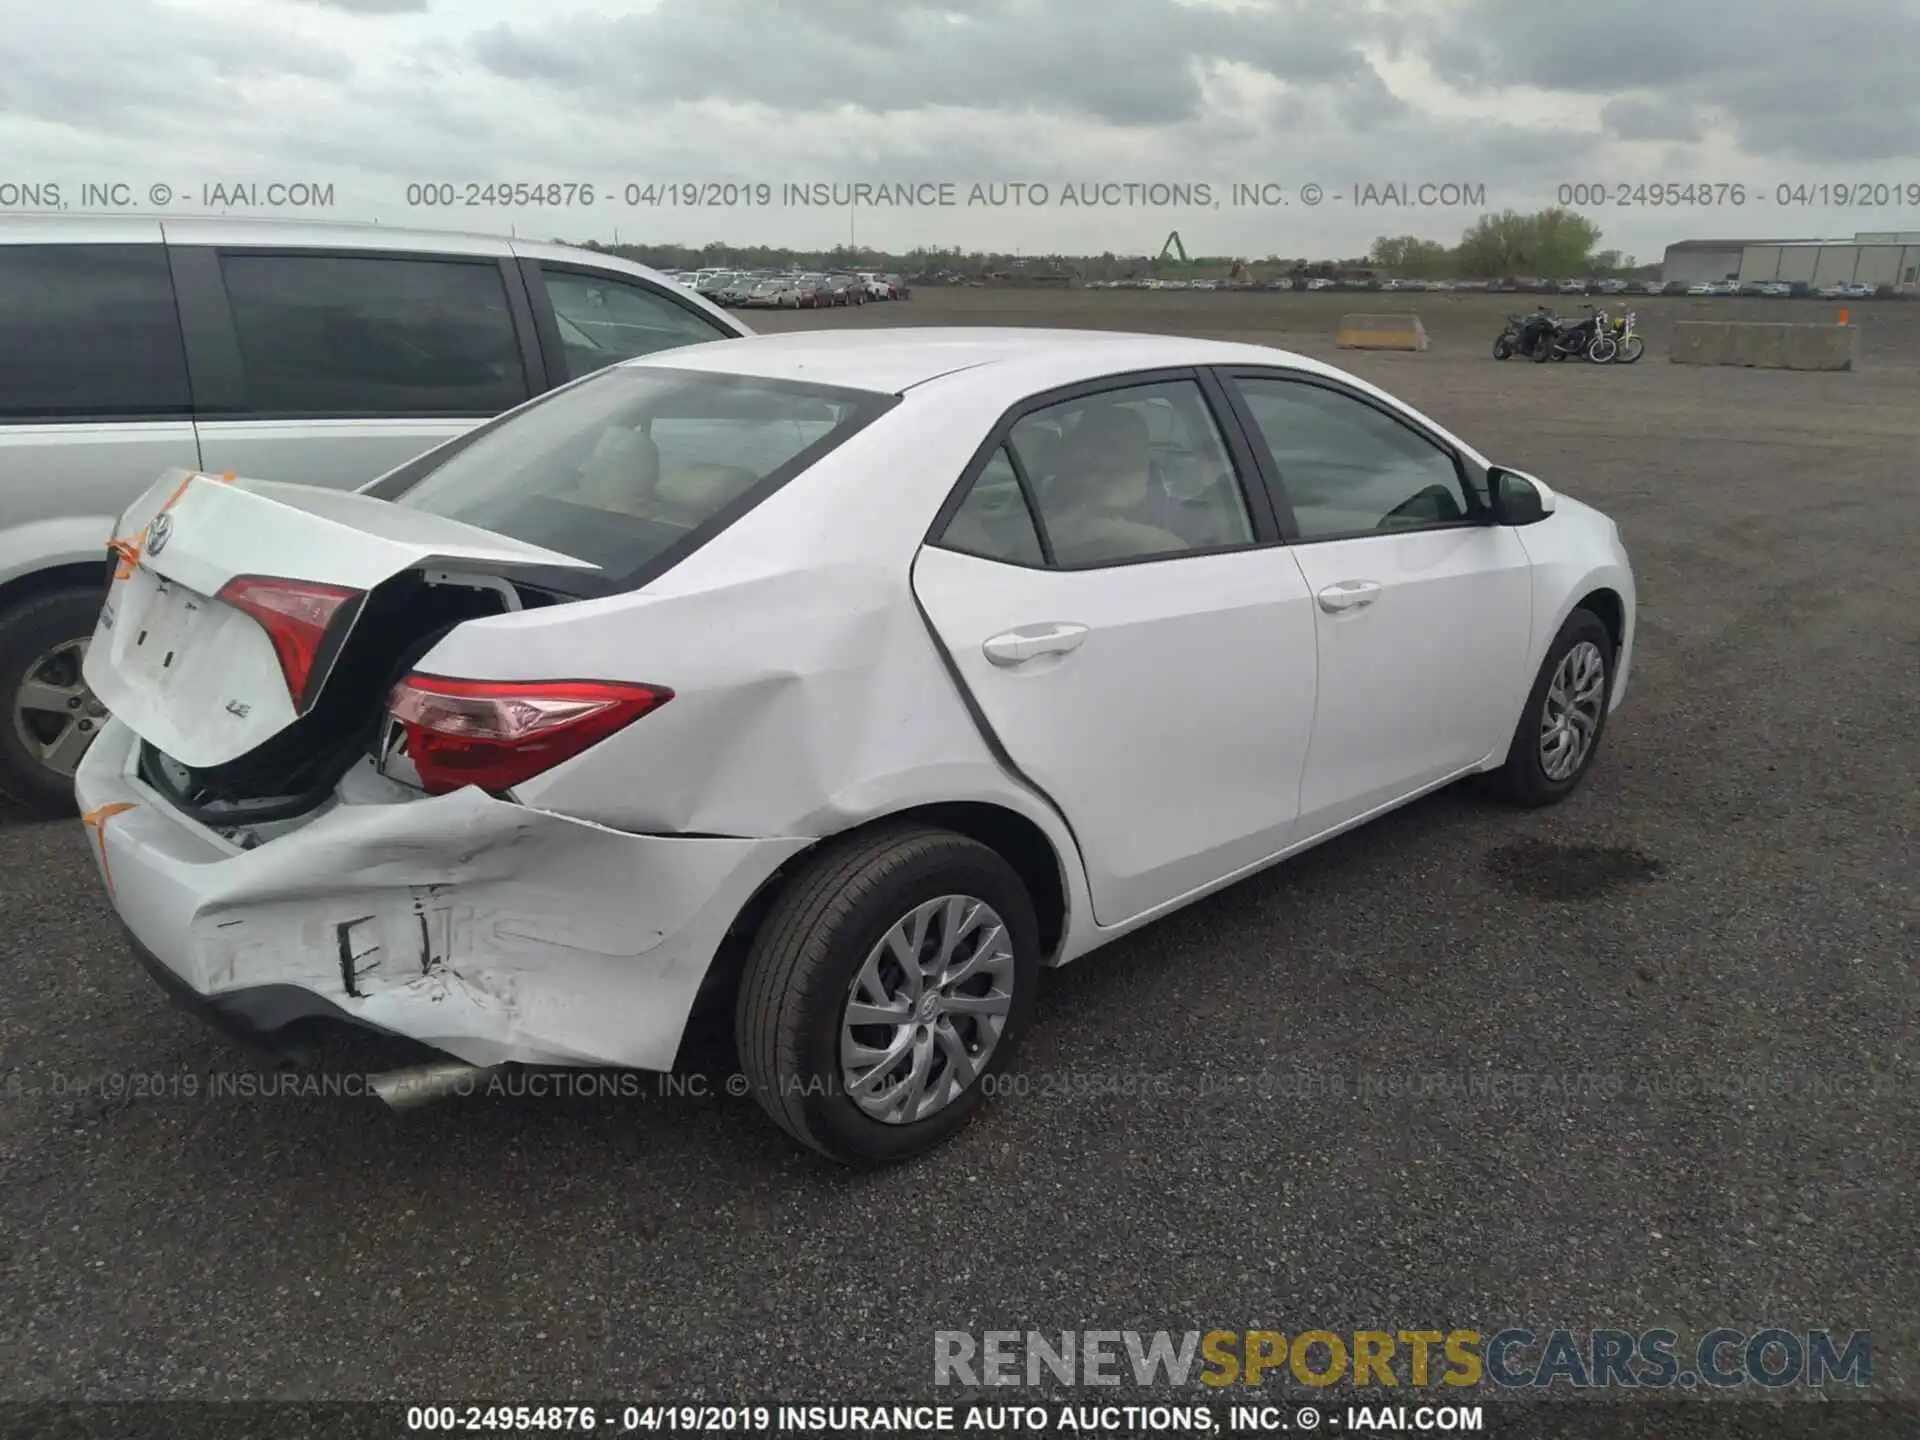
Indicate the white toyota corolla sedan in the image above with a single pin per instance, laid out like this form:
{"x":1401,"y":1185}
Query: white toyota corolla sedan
{"x":847,"y":680}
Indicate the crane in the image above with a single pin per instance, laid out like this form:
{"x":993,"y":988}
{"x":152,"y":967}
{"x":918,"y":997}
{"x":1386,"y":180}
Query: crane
{"x":1174,"y":247}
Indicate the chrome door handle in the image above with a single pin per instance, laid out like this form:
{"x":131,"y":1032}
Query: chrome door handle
{"x":1349,"y":595}
{"x":1031,"y":641}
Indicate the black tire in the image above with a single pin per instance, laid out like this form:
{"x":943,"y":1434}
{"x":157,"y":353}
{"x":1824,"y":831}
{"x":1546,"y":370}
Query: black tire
{"x":28,"y":631}
{"x":1523,"y":780}
{"x":1503,"y":349}
{"x":1542,"y":350}
{"x":804,"y":960}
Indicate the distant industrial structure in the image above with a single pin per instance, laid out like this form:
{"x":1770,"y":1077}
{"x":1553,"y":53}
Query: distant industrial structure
{"x":1871,"y":257}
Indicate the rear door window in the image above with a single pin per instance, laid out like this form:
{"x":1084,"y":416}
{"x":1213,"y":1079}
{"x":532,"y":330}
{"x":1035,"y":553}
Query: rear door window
{"x":994,"y":522}
{"x":633,"y":461}
{"x":354,"y":335}
{"x":89,"y":332}
{"x":603,"y":318}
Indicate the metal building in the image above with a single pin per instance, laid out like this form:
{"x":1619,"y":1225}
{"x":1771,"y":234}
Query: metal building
{"x":1891,"y":258}
{"x":1872,"y":258}
{"x":1695,"y":260}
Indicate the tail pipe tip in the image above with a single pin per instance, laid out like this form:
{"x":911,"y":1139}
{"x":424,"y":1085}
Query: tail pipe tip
{"x":417,"y":1085}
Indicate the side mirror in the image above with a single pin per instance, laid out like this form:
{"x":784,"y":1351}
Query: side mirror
{"x":1518,"y":499}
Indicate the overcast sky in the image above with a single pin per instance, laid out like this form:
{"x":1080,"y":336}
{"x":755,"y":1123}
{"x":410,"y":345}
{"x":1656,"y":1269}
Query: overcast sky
{"x":1516,"y":96}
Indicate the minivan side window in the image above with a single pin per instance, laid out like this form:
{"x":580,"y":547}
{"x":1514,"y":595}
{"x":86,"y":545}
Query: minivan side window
{"x":358,"y":335}
{"x":602,"y":319}
{"x":89,"y":332}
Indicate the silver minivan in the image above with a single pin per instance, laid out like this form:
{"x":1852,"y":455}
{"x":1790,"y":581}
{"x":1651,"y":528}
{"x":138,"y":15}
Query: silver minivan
{"x":321,"y":354}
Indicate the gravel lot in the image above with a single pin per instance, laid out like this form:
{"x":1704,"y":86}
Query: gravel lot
{"x":1731,"y":900}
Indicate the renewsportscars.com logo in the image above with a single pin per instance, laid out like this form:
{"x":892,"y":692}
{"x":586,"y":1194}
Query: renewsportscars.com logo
{"x":1770,"y":1358}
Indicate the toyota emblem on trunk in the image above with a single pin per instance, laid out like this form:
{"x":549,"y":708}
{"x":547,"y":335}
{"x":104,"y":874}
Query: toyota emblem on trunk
{"x":158,"y":532}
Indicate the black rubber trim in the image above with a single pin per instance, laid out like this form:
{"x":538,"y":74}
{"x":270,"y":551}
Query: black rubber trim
{"x":260,"y":1016}
{"x":993,"y":743}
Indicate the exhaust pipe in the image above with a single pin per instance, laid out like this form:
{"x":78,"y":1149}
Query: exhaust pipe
{"x":417,"y":1085}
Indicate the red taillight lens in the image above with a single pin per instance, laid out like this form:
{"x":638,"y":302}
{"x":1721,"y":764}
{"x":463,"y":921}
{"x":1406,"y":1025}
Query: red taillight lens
{"x":498,"y":733}
{"x":297,"y":616}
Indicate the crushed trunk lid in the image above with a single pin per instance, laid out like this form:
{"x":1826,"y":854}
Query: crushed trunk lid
{"x":203,"y":680}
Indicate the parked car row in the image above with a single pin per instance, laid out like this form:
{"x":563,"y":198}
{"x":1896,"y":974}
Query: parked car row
{"x":1781,"y":289}
{"x":760,"y":289}
{"x":1774,"y":289}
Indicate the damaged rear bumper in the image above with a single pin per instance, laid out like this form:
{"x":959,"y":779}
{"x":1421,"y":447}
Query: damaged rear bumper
{"x":275,"y":1018}
{"x":487,"y":930}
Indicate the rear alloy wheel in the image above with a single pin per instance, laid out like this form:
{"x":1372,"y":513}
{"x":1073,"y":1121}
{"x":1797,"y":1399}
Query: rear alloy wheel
{"x":51,"y":717}
{"x":1566,"y":714}
{"x":886,"y":991}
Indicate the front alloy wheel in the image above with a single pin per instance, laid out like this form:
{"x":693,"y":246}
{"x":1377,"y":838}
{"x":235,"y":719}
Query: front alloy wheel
{"x":1570,"y":716}
{"x":55,"y":715}
{"x":48,"y":714}
{"x":1566,"y":714}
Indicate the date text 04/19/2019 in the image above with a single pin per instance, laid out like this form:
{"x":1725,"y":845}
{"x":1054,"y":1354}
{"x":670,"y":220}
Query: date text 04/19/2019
{"x":1701,"y":194}
{"x":425,"y":1420}
{"x":925,"y":1419}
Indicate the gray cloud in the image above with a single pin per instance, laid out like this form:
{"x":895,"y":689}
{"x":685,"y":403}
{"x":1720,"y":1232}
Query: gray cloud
{"x":373,"y":7}
{"x":1507,"y":94}
{"x":1640,"y":117}
{"x":94,"y":67}
{"x":1130,"y":62}
{"x":1833,"y":82}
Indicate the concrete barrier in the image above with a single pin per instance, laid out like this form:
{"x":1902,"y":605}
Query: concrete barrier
{"x":1765,"y":346}
{"x":1381,"y":332}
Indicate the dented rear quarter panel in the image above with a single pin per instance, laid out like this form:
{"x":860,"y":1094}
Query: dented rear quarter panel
{"x":491,"y":930}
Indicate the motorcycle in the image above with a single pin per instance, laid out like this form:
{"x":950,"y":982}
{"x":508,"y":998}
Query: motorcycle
{"x":1523,"y":335}
{"x":1604,"y":347}
{"x":1568,"y":339}
{"x":1628,"y":339}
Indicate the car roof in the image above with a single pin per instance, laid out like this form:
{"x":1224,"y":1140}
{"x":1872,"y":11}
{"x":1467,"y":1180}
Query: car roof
{"x":891,"y":361}
{"x":59,"y":229}
{"x":46,"y":228}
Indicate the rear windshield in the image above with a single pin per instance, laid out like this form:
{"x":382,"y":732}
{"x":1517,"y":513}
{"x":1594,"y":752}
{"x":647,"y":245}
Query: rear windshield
{"x":632,"y":461}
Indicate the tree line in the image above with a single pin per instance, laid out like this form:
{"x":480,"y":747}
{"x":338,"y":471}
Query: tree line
{"x":1547,"y":243}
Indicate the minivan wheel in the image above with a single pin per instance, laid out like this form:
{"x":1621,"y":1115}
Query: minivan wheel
{"x":885,"y":992}
{"x":1565,"y":715}
{"x":50,"y":716}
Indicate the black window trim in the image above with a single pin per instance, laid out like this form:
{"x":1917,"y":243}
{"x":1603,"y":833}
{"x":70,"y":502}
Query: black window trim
{"x":1472,"y":480}
{"x":175,"y":416}
{"x":225,"y":377}
{"x":595,"y":581}
{"x":547,"y":329}
{"x":1253,"y":488}
{"x":1030,"y":498}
